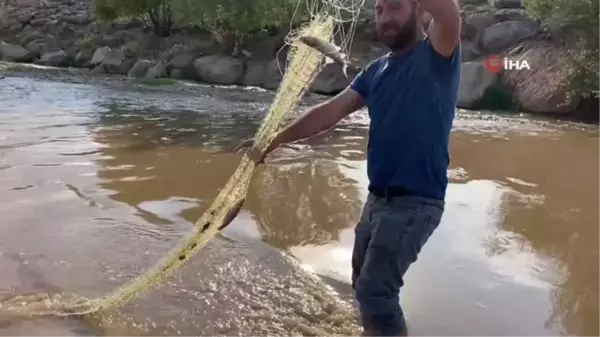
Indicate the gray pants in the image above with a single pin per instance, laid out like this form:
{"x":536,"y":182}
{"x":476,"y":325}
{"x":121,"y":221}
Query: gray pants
{"x":389,"y":236}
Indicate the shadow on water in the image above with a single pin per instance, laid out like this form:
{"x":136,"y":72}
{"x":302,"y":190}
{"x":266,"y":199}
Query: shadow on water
{"x":120,"y":176}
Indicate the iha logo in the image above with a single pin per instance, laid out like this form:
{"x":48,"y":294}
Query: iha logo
{"x":495,"y":64}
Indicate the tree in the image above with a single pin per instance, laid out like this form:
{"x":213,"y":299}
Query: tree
{"x":235,"y":19}
{"x":582,"y":18}
{"x":156,"y":13}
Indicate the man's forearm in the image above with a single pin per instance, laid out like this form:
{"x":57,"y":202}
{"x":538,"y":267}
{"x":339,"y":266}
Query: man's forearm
{"x":313,"y":122}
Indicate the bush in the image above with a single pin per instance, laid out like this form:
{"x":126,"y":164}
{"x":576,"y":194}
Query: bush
{"x":234,"y":19}
{"x":582,"y":17}
{"x":157,"y":13}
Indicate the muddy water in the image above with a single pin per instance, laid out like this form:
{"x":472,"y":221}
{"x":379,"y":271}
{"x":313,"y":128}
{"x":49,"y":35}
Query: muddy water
{"x":99,"y":180}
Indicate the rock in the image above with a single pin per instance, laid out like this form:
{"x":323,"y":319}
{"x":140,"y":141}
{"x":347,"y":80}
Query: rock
{"x":116,"y":62}
{"x":474,"y":24}
{"x":511,"y":14}
{"x":54,"y":59}
{"x":219,"y":69}
{"x":131,"y":49}
{"x":14,"y":53}
{"x":506,"y":3}
{"x":475,"y":80}
{"x":39,"y":22}
{"x":181,"y":66}
{"x":468,"y":51}
{"x":140,"y":68}
{"x":556,"y":103}
{"x":83,"y":58}
{"x":506,"y":34}
{"x":99,"y":55}
{"x":273,"y":76}
{"x":255,"y":73}
{"x":331,"y":80}
{"x":112,"y":40}
{"x":159,"y":70}
{"x":82,"y":19}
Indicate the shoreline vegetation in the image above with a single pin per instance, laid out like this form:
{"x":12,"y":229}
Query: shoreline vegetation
{"x":230,"y":43}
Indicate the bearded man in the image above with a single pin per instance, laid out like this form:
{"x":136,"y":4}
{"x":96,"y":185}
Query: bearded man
{"x":411,"y":95}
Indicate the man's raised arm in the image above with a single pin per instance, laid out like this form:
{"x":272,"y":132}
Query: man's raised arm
{"x":444,"y":29}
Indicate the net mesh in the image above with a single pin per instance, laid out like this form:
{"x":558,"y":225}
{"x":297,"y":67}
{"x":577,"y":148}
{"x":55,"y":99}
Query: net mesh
{"x":304,"y":63}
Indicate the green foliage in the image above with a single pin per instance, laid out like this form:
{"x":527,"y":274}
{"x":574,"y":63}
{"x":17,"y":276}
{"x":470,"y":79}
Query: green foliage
{"x":237,"y":17}
{"x":156,"y":12}
{"x":583,"y":17}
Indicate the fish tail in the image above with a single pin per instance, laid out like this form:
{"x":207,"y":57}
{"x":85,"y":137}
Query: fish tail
{"x":345,"y":69}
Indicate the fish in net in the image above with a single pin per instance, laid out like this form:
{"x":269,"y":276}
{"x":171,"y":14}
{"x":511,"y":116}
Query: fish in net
{"x":304,"y":64}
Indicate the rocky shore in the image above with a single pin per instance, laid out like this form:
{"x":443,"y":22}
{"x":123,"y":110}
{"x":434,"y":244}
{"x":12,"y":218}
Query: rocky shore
{"x":65,"y":33}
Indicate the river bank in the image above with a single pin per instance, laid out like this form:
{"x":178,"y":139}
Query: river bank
{"x":121,"y":172}
{"x":65,"y":33}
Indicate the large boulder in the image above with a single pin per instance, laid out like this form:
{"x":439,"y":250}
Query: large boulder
{"x":84,"y":57}
{"x":140,"y":68}
{"x":117,"y":62}
{"x":54,"y":59}
{"x":511,"y":14}
{"x":474,"y":24}
{"x":99,"y":56}
{"x":15,"y":53}
{"x":219,"y":69}
{"x":182,"y":66}
{"x":274,"y":74}
{"x":506,"y":3}
{"x":474,"y":82}
{"x":158,"y":70}
{"x":506,"y":34}
{"x":331,"y":80}
{"x":255,"y":73}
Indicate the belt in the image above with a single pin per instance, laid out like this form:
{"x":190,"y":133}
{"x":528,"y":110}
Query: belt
{"x":395,"y":191}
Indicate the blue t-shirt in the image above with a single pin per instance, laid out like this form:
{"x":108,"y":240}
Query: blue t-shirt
{"x":411,"y":100}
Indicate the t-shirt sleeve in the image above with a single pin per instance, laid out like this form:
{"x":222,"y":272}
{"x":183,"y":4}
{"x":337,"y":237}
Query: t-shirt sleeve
{"x":360,"y":83}
{"x":444,"y":64}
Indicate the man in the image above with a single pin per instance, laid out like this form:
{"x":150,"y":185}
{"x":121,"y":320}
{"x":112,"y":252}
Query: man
{"x":411,"y":97}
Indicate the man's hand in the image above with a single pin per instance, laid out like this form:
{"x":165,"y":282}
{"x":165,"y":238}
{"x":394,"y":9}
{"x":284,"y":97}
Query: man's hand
{"x":253,"y":152}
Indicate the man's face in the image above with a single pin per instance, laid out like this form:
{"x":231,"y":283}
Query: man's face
{"x":396,"y":22}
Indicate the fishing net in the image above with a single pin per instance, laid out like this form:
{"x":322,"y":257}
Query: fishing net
{"x":304,"y":63}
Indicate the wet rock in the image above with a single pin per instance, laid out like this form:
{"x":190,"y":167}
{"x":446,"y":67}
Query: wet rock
{"x":219,"y":69}
{"x":116,"y":62}
{"x":506,"y":34}
{"x":140,"y":68}
{"x":181,"y":66}
{"x":15,"y":53}
{"x":506,"y":3}
{"x":54,"y":59}
{"x":83,"y":58}
{"x":99,"y":55}
{"x":475,"y":80}
{"x":159,"y":70}
{"x":255,"y":73}
{"x":331,"y":80}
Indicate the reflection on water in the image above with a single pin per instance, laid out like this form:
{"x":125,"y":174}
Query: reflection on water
{"x":101,"y":182}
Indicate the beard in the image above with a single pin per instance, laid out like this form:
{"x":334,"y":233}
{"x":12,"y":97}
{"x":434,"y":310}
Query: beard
{"x":405,"y":34}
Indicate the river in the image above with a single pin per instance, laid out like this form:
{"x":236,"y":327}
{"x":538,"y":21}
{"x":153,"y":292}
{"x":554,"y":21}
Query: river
{"x":99,"y":179}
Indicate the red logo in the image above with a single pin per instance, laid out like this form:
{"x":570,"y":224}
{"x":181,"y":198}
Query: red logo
{"x":494,"y":64}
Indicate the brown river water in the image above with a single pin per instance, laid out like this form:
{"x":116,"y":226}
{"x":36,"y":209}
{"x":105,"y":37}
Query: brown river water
{"x":99,"y":179}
